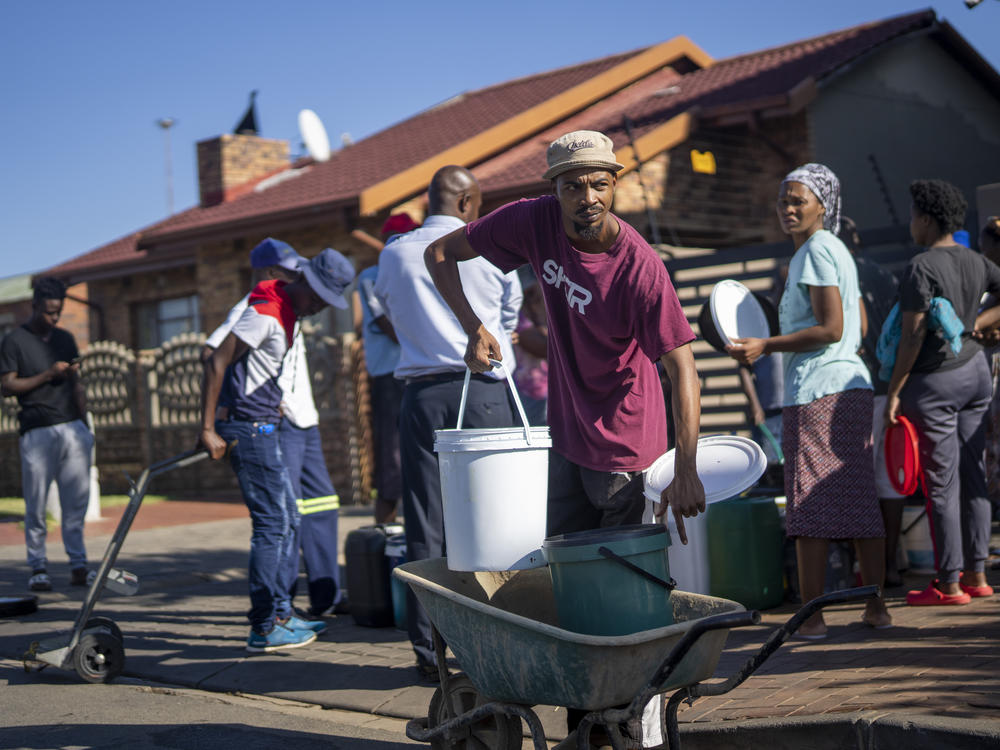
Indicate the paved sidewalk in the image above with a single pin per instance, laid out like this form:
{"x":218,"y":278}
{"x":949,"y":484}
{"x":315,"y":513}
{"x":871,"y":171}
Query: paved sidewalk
{"x":187,"y":627}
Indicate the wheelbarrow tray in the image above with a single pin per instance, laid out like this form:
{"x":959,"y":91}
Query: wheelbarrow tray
{"x":502,"y":628}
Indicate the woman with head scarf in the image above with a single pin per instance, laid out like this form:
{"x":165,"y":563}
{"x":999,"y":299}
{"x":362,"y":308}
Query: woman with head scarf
{"x":827,"y":417}
{"x":945,"y":390}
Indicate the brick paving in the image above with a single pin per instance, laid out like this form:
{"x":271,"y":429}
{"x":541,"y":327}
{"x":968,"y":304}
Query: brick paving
{"x":187,"y":627}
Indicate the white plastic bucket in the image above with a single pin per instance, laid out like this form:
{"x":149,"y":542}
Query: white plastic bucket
{"x":916,"y":540}
{"x":689,"y":564}
{"x":494,"y":488}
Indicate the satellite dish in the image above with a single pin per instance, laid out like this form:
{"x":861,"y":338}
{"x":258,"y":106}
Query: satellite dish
{"x":314,"y":135}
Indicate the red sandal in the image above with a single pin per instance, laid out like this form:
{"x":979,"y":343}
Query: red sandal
{"x":931,"y":596}
{"x":975,"y":592}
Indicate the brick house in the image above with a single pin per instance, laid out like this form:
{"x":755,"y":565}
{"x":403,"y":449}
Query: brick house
{"x":714,"y":139}
{"x":705,"y":144}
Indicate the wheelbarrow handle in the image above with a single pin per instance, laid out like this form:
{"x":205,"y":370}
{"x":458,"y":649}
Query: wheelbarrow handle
{"x":187,"y":458}
{"x":772,"y":644}
{"x":724,"y":621}
{"x":782,"y":634}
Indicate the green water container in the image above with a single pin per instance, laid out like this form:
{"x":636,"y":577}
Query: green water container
{"x":598,"y":596}
{"x":745,"y":551}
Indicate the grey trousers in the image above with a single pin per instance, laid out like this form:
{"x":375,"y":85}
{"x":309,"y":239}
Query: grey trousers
{"x":948,"y":409}
{"x":60,"y":453}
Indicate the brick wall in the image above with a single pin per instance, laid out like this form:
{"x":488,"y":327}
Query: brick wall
{"x":118,"y":297}
{"x":735,"y":206}
{"x":76,"y":315}
{"x":228,"y":164}
{"x":13,"y":314}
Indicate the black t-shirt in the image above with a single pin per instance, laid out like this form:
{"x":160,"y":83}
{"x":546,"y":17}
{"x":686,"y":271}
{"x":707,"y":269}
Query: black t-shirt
{"x":879,"y":289}
{"x":961,"y":276}
{"x":23,"y":352}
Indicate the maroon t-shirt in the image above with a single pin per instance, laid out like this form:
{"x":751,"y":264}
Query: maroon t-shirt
{"x":611,"y":316}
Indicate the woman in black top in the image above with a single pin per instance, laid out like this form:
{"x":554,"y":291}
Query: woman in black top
{"x":945,"y":394}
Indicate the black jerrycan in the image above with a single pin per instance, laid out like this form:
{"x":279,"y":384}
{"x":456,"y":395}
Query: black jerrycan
{"x":368,"y":583}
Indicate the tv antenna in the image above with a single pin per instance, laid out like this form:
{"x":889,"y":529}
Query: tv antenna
{"x":165,"y":124}
{"x":314,"y":135}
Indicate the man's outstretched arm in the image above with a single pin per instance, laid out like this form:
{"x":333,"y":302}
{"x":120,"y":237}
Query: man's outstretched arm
{"x":441,"y":258}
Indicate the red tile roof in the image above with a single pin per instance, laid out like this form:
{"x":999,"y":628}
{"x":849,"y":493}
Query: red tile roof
{"x":742,"y":80}
{"x":382,"y":155}
{"x":736,"y":81}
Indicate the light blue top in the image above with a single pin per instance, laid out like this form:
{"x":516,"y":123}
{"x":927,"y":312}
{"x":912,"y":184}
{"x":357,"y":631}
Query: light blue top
{"x":430,"y":337}
{"x":823,"y":260}
{"x":381,"y":352}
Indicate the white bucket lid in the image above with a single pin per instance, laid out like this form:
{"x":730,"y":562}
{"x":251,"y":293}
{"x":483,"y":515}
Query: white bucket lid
{"x":491,"y":439}
{"x":727,"y":465}
{"x":736,"y":312}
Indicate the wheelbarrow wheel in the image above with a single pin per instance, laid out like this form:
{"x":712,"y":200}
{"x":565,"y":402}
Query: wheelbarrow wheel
{"x":495,"y":732}
{"x":106,"y":624}
{"x":99,"y":656}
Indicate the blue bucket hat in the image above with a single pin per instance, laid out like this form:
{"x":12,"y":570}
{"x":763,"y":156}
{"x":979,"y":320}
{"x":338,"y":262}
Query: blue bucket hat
{"x":329,"y":274}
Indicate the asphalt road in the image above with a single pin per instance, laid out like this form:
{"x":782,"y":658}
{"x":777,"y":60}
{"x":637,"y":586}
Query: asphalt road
{"x":53,"y":710}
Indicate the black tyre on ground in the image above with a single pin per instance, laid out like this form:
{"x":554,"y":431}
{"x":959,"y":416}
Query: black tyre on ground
{"x":106,"y":624}
{"x":17,"y":606}
{"x":99,"y":656}
{"x":495,"y":732}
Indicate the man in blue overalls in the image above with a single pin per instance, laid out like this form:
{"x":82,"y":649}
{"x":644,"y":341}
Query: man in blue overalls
{"x":244,"y":376}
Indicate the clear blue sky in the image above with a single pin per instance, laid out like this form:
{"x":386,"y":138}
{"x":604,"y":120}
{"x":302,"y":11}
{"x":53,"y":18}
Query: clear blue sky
{"x":82,"y":83}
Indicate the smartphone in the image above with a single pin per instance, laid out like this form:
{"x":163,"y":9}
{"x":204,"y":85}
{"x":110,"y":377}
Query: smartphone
{"x":74,"y":361}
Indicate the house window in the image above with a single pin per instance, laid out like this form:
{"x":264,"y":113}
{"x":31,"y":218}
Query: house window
{"x":160,"y":321}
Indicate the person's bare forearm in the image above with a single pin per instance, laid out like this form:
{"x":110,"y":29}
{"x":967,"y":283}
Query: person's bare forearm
{"x":15,"y":386}
{"x":685,"y":399}
{"x":80,"y":397}
{"x":988,"y":318}
{"x":750,"y":391}
{"x":806,"y":340}
{"x":441,"y":259}
{"x":535,"y":341}
{"x":912,"y":334}
{"x":211,"y":386}
{"x":686,"y":402}
{"x":385,"y":326}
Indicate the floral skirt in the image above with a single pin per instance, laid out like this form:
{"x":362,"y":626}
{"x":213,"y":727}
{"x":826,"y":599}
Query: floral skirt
{"x":829,"y":474}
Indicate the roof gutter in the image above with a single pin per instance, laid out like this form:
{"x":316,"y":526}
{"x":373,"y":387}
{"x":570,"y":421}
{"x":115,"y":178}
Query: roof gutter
{"x":514,"y":130}
{"x":237,"y":227}
{"x":119,"y":269}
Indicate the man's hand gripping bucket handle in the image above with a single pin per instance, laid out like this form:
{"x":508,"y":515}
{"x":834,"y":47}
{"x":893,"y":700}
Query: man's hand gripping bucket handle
{"x":513,"y":390}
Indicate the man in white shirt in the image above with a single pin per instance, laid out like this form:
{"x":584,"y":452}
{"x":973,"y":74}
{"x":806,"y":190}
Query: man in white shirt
{"x":431,"y":362}
{"x":299,"y":438}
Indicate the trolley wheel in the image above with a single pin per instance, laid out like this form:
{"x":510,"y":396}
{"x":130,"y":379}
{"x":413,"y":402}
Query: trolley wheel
{"x":16,"y":606}
{"x":99,"y":656}
{"x":496,"y":732}
{"x":107,"y":625}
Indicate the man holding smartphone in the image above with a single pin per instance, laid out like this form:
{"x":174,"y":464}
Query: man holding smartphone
{"x":40,"y":364}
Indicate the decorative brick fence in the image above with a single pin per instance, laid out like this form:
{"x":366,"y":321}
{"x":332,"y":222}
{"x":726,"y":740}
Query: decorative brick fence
{"x":146,"y":408}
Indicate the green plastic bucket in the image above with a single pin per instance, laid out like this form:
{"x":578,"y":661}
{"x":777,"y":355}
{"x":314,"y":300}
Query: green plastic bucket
{"x":745,"y":552}
{"x":600,"y":596}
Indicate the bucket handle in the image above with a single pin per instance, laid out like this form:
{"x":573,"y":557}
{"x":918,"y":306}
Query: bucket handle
{"x":668,"y":585}
{"x":513,"y":390}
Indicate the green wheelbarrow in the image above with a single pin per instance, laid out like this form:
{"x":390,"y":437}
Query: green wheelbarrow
{"x":503,"y":631}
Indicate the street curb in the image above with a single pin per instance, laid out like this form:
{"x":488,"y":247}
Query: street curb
{"x":868,"y":730}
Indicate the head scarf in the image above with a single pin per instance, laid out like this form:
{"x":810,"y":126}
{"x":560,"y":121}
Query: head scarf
{"x":825,"y":186}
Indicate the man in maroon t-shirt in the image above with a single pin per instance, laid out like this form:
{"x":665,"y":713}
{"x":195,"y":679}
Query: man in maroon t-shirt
{"x":612,"y":313}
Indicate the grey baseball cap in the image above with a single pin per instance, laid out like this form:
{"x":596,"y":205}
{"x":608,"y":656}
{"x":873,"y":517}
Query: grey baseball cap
{"x":581,"y":148}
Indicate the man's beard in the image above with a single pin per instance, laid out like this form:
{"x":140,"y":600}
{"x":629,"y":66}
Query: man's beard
{"x":588,"y":231}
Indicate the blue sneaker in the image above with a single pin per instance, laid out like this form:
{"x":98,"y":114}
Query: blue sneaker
{"x":279,"y":638}
{"x":297,"y":623}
